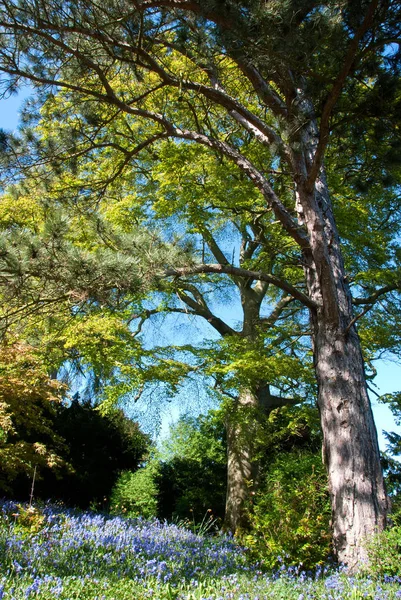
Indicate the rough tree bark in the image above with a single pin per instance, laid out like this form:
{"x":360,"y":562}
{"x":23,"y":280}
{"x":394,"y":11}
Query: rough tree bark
{"x":350,"y":447}
{"x":241,"y":465}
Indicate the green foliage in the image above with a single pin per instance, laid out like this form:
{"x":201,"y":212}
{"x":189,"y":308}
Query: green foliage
{"x":99,"y":447}
{"x":75,"y":451}
{"x":29,"y":520}
{"x":391,"y":458}
{"x":29,"y":400}
{"x":184,"y":481}
{"x":196,"y":438}
{"x":251,"y":93}
{"x":291,"y":427}
{"x":240,"y":361}
{"x":93,"y":556}
{"x":192,"y":471}
{"x":135,"y":493}
{"x":190,"y":489}
{"x":384,"y":551}
{"x":291,"y":512}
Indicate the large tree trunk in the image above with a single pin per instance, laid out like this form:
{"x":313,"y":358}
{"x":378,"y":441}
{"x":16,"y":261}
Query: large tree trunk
{"x":242,"y":425}
{"x":350,"y":447}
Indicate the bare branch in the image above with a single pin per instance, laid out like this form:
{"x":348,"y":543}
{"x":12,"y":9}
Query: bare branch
{"x":277,"y":311}
{"x":281,"y":213}
{"x":357,"y":317}
{"x":214,"y":247}
{"x":203,"y":311}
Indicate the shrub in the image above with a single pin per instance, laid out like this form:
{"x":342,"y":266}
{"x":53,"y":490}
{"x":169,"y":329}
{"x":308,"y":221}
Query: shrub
{"x":135,"y":494}
{"x":291,"y":512}
{"x":99,"y":448}
{"x":384,"y":551}
{"x":193,"y":472}
{"x":29,"y":400}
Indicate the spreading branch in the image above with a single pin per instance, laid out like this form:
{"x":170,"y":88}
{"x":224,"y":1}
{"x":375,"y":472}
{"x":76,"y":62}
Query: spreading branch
{"x":203,"y":311}
{"x":370,"y":300}
{"x":245,"y":273}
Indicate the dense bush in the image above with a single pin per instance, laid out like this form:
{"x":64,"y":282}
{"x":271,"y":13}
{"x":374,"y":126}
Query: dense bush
{"x":291,"y":512}
{"x":75,"y":452}
{"x":187,"y":480}
{"x":29,"y":400}
{"x":391,"y":459}
{"x":135,"y":493}
{"x":190,"y":488}
{"x":99,"y":447}
{"x":384,"y":552}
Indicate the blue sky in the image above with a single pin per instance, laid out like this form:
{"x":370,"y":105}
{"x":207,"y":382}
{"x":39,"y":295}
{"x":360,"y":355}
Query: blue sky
{"x":388,"y":373}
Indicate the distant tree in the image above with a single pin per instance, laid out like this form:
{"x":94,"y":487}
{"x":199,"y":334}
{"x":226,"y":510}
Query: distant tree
{"x":288,"y":511}
{"x":192,"y":477}
{"x":98,"y":448}
{"x":75,"y":452}
{"x":391,"y":459}
{"x":135,"y":493}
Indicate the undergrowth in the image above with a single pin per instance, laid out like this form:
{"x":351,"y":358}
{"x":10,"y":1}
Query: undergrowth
{"x":52,"y":553}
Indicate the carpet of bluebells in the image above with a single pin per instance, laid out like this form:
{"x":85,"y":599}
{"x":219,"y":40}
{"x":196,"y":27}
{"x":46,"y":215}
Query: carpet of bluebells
{"x":58,"y":553}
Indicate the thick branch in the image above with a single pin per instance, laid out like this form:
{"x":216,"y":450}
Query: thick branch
{"x":279,"y":401}
{"x":367,"y":308}
{"x":203,"y":311}
{"x":214,"y":247}
{"x":244,"y":164}
{"x":238,"y":272}
{"x":192,"y":289}
{"x":262,"y":88}
{"x":277,"y":311}
{"x":218,"y":95}
{"x":189,"y":5}
{"x":281,"y":213}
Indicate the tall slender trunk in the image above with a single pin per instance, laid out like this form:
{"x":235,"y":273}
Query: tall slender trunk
{"x":242,"y":425}
{"x":248,"y":414}
{"x":350,"y":447}
{"x":241,"y":465}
